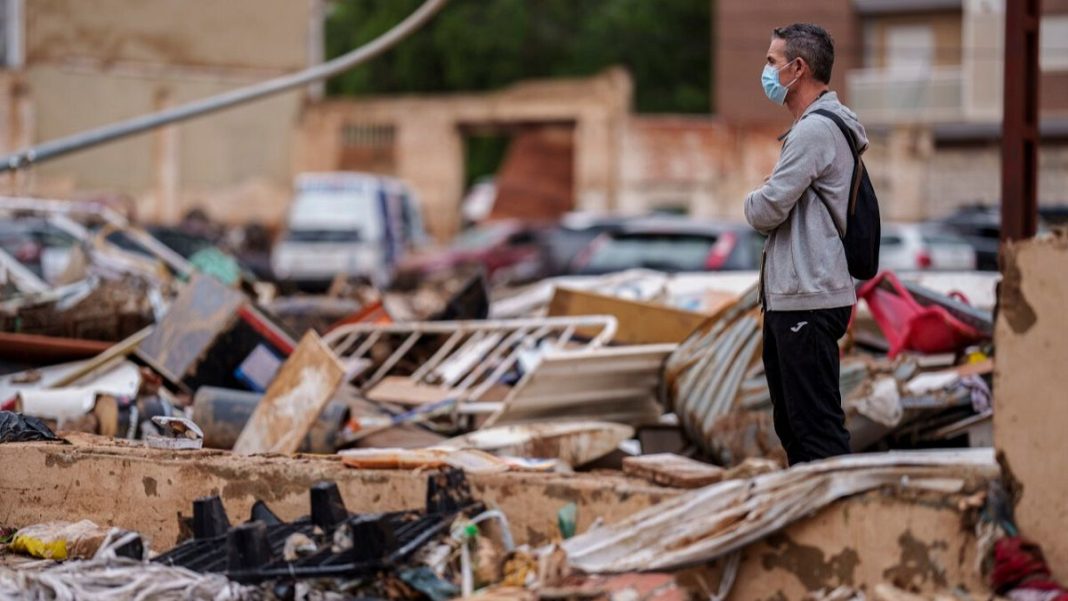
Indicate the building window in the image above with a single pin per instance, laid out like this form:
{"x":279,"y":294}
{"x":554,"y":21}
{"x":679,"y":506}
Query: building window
{"x":1053,"y":37}
{"x":368,"y":147}
{"x":364,"y":135}
{"x":910,"y":48}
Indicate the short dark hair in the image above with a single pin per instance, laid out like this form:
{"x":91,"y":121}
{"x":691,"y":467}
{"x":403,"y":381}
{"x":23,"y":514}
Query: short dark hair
{"x":812,"y":43}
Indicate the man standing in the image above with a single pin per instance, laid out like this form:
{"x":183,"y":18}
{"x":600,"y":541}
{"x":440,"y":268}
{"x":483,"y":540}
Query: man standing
{"x":806,"y":289}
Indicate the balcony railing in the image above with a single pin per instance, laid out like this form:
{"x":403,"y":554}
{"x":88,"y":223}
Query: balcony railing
{"x":883,"y":96}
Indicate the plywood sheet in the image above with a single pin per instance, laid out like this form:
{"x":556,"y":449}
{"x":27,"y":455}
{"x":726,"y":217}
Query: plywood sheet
{"x":304,"y":385}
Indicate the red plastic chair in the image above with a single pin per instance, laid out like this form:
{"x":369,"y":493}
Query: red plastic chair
{"x":911,"y":326}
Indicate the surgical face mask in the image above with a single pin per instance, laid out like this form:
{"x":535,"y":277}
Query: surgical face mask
{"x":775,"y":91}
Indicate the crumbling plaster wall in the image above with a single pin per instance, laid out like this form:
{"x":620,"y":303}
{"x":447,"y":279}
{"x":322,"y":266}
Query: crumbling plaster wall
{"x":1030,"y":402}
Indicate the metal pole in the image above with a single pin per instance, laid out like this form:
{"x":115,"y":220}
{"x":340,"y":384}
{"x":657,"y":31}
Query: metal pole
{"x":109,"y":133}
{"x":1019,"y":135}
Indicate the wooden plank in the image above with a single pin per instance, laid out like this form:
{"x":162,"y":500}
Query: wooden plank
{"x":639,"y":322}
{"x":673,"y":470}
{"x":304,"y":385}
{"x":403,"y":391}
{"x":574,"y":443}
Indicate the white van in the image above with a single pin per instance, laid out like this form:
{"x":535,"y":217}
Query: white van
{"x":356,"y":224}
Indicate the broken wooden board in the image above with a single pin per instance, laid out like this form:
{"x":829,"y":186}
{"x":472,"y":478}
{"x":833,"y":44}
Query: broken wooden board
{"x":213,"y":336}
{"x":304,"y":385}
{"x":616,"y":384}
{"x":639,"y":322}
{"x":669,"y":469}
{"x":574,"y":443}
{"x":402,"y":390}
{"x":204,"y":308}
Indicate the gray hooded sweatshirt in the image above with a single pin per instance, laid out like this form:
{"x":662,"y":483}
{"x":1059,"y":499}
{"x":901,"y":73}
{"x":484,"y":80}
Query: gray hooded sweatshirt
{"x":804,"y":265}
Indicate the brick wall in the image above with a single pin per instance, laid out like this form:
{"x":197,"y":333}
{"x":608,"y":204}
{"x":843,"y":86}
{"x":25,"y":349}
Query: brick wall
{"x":742,"y":35}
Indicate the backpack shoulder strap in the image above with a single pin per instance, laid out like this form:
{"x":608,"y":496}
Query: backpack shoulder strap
{"x":858,"y":166}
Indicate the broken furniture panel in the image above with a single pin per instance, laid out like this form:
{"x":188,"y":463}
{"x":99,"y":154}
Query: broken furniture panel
{"x":616,"y":384}
{"x":213,"y":335}
{"x":294,"y":400}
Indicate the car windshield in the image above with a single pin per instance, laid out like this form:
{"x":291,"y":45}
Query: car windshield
{"x":324,"y":236}
{"x":335,"y":215}
{"x":665,"y":252}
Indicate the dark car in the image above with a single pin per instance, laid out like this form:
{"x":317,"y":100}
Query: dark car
{"x":980,"y":226}
{"x":574,"y":233}
{"x":672,"y":245}
{"x":507,"y":251}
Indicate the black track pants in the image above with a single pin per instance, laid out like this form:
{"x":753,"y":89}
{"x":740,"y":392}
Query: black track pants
{"x":802,"y":366}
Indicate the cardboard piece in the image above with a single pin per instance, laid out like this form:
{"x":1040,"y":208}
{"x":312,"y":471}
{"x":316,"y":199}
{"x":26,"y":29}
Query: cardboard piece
{"x":304,"y":385}
{"x":639,"y":322}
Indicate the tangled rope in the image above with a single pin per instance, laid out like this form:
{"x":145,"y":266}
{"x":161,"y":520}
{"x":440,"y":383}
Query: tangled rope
{"x":118,"y":579}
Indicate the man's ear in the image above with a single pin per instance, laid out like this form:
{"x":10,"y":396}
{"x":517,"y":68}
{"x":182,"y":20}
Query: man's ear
{"x":800,"y":67}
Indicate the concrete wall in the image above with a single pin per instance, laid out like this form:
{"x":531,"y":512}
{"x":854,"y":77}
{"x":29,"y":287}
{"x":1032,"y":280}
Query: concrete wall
{"x":91,"y":64}
{"x":1030,"y":402}
{"x":116,"y":484}
{"x":915,"y":541}
{"x":260,"y":35}
{"x":171,"y":170}
{"x":697,"y":165}
{"x":429,"y":135}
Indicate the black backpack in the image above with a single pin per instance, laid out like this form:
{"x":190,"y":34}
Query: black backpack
{"x":862,"y":232}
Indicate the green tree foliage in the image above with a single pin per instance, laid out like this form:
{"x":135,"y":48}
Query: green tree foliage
{"x":488,"y":44}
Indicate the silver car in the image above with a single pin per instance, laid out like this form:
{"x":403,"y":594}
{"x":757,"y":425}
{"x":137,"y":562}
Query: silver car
{"x":917,"y":246}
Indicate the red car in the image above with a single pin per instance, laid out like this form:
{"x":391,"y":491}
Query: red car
{"x":508,"y":251}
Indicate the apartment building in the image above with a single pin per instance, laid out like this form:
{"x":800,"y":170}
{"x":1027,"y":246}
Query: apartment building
{"x":925,"y":76}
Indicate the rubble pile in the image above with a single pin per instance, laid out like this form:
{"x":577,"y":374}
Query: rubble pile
{"x":639,"y":375}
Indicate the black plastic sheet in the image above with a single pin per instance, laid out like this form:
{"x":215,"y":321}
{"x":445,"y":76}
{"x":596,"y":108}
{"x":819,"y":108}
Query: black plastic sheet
{"x":16,"y":427}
